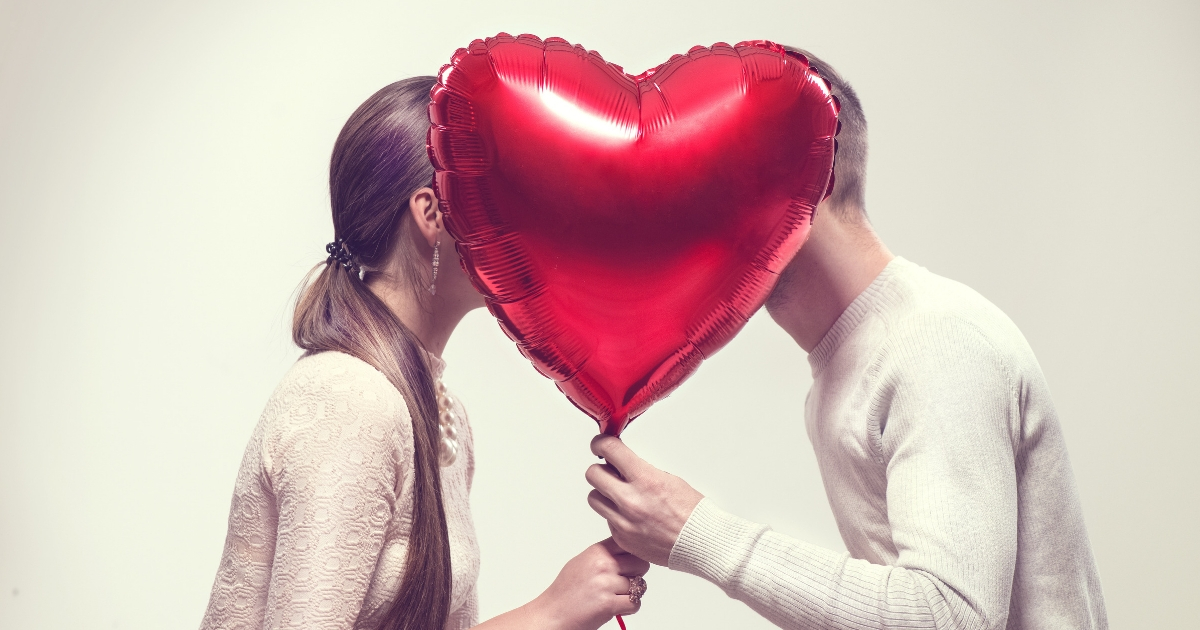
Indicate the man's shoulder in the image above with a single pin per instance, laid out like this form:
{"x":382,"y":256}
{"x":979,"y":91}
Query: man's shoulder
{"x":935,"y":315}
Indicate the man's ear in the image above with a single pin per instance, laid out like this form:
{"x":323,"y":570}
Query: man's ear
{"x":426,"y":216}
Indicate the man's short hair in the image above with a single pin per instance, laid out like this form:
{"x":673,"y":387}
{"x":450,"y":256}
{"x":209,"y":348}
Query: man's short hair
{"x":850,"y":165}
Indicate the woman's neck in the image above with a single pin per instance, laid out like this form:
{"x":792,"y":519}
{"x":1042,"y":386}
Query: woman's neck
{"x":432,"y":319}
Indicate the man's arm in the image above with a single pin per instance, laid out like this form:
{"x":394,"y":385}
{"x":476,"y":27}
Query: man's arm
{"x":951,"y":504}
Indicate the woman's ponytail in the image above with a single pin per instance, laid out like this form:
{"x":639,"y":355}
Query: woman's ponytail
{"x":379,"y":160}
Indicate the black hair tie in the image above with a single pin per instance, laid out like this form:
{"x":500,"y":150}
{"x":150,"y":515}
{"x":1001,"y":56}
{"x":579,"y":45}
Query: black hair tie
{"x":338,"y":252}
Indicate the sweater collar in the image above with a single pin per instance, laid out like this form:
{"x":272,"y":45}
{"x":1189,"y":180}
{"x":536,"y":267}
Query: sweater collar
{"x":436,"y":365}
{"x":869,"y":300}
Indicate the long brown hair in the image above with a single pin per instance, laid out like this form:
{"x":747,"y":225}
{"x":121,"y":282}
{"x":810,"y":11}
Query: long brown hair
{"x":379,"y":161}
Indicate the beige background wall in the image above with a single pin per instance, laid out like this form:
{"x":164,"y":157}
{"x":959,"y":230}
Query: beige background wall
{"x":162,"y":191}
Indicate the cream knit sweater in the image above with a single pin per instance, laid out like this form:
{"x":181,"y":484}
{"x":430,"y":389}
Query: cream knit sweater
{"x":322,"y":506}
{"x":946,"y":470}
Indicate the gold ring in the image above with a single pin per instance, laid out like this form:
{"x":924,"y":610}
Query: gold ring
{"x":637,"y":588}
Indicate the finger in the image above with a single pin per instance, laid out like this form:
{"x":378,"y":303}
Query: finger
{"x":618,"y":585}
{"x":612,"y":547}
{"x":604,"y":478}
{"x":613,"y":583}
{"x":630,"y":565}
{"x":608,"y":511}
{"x":614,"y":451}
{"x":622,"y":605}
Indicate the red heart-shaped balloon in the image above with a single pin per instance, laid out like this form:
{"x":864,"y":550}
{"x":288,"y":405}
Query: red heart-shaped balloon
{"x":624,"y":228}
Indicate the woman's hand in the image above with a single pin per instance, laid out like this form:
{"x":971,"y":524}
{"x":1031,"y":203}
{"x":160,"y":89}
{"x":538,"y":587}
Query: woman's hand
{"x":590,"y":590}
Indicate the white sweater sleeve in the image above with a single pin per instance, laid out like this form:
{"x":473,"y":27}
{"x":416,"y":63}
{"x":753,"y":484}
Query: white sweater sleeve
{"x":947,"y":451}
{"x":334,"y":465}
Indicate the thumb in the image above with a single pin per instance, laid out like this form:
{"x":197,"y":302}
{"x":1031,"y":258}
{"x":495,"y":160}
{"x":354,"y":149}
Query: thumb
{"x":619,"y":456}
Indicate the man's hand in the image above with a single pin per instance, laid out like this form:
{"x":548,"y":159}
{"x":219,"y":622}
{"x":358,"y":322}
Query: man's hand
{"x":644,"y":506}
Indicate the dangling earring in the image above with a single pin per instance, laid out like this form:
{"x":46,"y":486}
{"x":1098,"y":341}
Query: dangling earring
{"x":433,"y":282}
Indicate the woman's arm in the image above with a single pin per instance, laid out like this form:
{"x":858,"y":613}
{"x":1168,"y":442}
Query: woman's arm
{"x":337,"y":462}
{"x":589,"y":591}
{"x":333,"y":459}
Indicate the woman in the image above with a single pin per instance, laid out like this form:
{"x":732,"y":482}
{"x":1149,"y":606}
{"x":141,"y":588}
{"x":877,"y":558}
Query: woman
{"x":351,"y":506}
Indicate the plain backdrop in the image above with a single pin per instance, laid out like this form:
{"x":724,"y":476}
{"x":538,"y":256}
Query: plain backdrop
{"x":163,"y":190}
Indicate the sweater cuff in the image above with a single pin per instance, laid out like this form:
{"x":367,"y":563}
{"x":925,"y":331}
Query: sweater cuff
{"x":714,"y":544}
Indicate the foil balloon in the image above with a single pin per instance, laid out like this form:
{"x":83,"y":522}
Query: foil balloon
{"x":624,"y":228}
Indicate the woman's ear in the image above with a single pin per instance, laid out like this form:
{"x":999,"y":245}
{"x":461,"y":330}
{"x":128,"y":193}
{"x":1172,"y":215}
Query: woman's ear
{"x":426,"y":216}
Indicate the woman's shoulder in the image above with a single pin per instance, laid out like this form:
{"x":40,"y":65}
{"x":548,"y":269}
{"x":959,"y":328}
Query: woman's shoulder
{"x":333,"y":368}
{"x":333,"y":397}
{"x":338,"y":378}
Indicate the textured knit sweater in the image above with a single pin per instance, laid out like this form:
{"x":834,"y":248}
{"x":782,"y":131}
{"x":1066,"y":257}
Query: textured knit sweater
{"x":946,"y":470}
{"x":323,"y":505}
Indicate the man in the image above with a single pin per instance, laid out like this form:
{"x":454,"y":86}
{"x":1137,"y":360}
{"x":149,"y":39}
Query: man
{"x":936,"y":438}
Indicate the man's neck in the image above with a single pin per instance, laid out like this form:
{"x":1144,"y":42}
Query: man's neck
{"x":839,"y":261}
